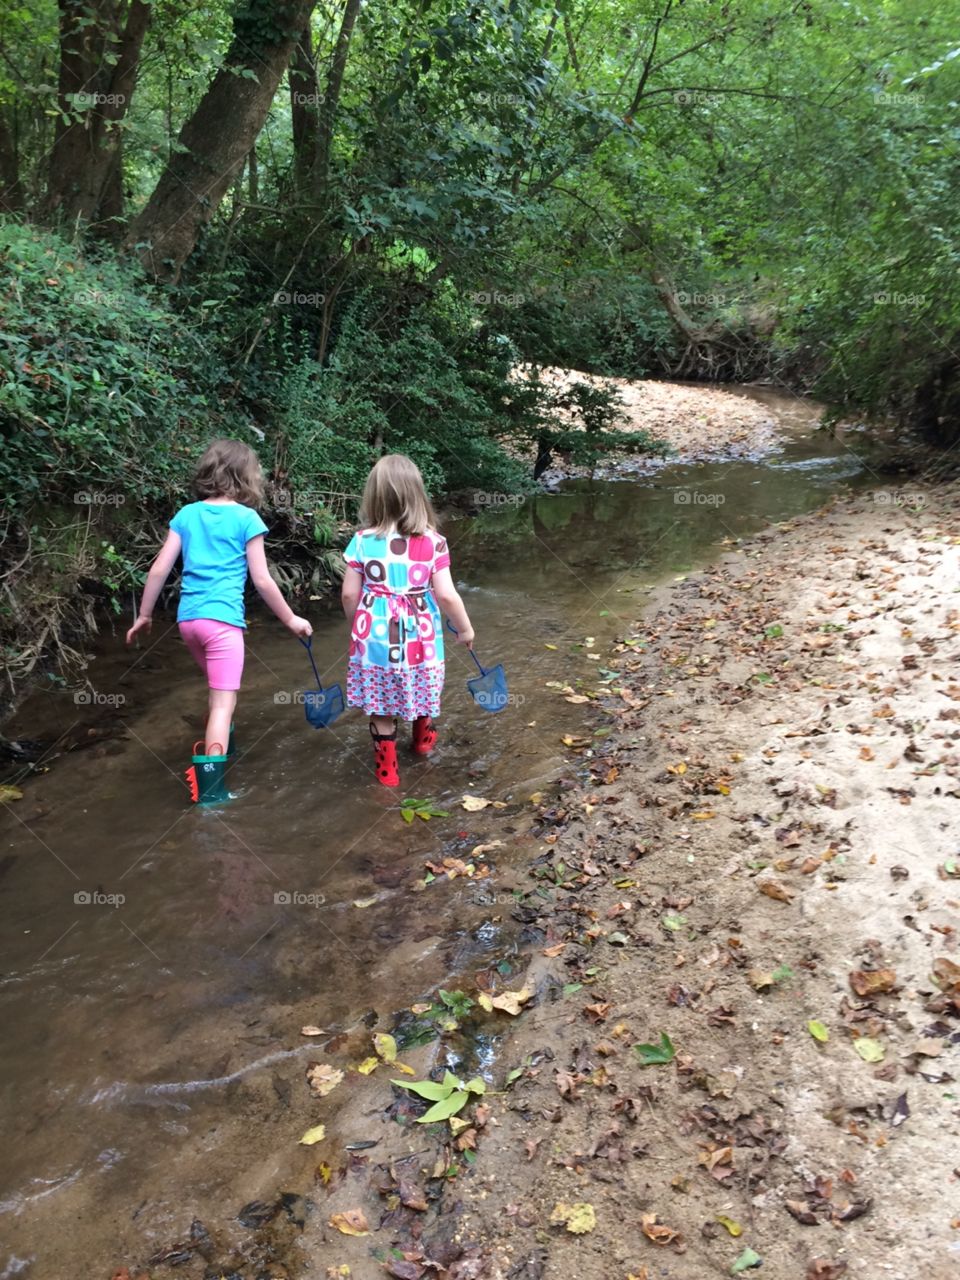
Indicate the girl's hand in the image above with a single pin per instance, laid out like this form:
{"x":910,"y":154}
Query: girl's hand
{"x":300,"y":627}
{"x":142,"y":624}
{"x":465,"y":636}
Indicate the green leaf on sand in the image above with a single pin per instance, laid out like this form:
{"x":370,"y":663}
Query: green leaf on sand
{"x":870,"y":1050}
{"x":656,"y":1054}
{"x":818,"y":1031}
{"x":746,"y":1260}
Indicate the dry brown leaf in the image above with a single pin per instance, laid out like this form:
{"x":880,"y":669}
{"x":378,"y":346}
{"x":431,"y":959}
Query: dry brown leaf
{"x":322,"y":1078}
{"x":657,"y":1231}
{"x":873,"y":982}
{"x":351,"y":1223}
{"x":773,"y":889}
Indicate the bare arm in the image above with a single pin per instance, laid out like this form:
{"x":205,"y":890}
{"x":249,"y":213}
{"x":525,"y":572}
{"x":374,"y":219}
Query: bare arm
{"x":448,"y":598}
{"x":270,"y":593}
{"x":156,"y":578}
{"x":351,"y":591}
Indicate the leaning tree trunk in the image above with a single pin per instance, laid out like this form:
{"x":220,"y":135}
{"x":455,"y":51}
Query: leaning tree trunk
{"x":84,"y":173}
{"x":220,"y":133}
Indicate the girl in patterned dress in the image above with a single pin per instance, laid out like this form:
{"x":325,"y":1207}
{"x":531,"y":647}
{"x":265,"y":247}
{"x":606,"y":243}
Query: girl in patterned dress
{"x":398,"y":573}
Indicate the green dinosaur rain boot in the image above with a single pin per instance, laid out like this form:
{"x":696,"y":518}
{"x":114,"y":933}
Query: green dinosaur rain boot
{"x":206,"y":777}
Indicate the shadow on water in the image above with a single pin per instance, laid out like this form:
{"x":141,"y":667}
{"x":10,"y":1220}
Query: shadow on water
{"x":158,"y":961}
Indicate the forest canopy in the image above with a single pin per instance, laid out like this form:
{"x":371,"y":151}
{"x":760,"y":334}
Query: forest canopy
{"x":334,"y":228}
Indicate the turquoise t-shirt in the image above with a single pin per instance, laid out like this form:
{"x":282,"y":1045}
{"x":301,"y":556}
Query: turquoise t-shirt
{"x":214,"y":537}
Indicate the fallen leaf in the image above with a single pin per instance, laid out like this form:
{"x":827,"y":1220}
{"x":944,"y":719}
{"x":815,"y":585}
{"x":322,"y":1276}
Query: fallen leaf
{"x":657,"y":1231}
{"x":746,"y":1260}
{"x":322,"y":1078}
{"x":313,"y":1135}
{"x":824,"y":1269}
{"x":773,"y":889}
{"x":929,"y":1047}
{"x":869,"y":1050}
{"x":818,"y":1031}
{"x":367,"y":1065}
{"x":873,"y":982}
{"x":577,"y":1218}
{"x":364,"y":902}
{"x":508,"y":1001}
{"x":311,"y":1031}
{"x":351,"y":1223}
{"x":734,"y":1228}
{"x":947,"y":975}
{"x":760,"y":980}
{"x":8,"y":794}
{"x":385,"y":1046}
{"x":473,"y":804}
{"x":652,"y":1055}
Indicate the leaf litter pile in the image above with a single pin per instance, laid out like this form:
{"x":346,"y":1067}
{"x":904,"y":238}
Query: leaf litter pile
{"x":726,"y":1039}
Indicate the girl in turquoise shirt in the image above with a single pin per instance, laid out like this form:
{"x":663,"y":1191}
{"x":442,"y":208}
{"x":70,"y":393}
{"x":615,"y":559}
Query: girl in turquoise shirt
{"x":221,"y":539}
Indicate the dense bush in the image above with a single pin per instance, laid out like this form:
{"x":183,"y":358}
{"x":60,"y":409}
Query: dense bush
{"x":102,"y":386}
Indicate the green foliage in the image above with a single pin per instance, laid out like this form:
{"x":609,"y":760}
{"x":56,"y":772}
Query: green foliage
{"x":105,"y":394}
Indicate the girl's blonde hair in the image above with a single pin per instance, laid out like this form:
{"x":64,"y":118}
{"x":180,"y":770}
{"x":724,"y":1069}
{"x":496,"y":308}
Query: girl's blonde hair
{"x":394,"y":497}
{"x":230,"y":469}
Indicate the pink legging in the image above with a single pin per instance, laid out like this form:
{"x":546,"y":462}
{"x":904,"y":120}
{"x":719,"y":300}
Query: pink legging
{"x":218,"y":650}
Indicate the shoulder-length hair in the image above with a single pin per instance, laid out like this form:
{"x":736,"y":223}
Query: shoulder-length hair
{"x":394,"y":497}
{"x":230,"y":469}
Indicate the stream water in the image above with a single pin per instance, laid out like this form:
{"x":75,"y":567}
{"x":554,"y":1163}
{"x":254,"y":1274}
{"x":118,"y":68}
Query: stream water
{"x":158,"y":961}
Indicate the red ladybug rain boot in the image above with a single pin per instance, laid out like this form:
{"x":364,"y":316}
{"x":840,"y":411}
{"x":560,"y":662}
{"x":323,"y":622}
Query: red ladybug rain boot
{"x":424,"y":736}
{"x":385,"y":757}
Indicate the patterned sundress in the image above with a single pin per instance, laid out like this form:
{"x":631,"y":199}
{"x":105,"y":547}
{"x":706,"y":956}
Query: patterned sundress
{"x":396,"y":645}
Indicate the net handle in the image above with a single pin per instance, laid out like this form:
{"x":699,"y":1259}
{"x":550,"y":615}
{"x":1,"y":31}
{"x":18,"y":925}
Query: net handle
{"x":480,"y":667}
{"x":308,"y":645}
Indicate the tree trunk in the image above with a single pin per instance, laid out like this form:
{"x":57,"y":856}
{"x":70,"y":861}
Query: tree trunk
{"x":11,"y":189}
{"x":217,"y":137}
{"x":304,"y":109}
{"x":85,"y":159}
{"x":331,"y":99}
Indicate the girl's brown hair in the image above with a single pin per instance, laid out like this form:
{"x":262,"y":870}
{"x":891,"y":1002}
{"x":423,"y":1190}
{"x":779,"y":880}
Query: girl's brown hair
{"x":230,"y":469}
{"x":394,"y":497}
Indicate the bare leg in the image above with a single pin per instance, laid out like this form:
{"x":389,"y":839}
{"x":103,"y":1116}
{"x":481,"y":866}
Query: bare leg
{"x":382,"y":725}
{"x":221,"y":708}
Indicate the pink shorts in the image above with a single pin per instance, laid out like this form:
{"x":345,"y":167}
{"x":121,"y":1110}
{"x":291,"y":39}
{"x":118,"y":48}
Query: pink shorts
{"x":217,"y":648}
